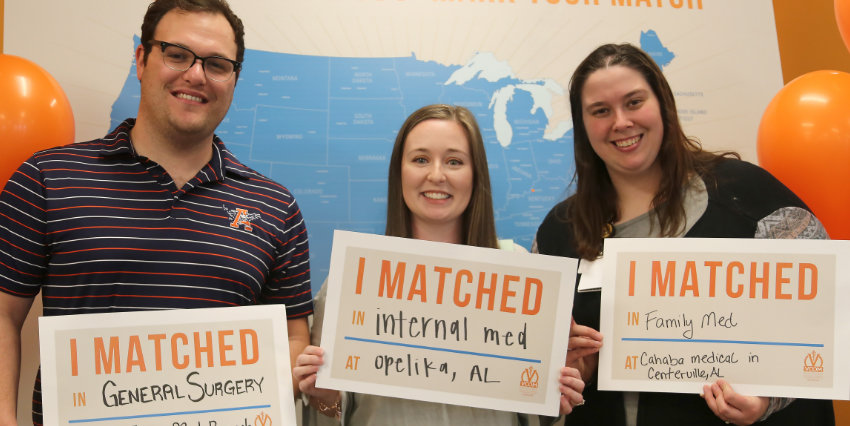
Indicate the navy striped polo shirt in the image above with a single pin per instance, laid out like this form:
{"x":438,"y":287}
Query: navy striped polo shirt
{"x":98,"y":228}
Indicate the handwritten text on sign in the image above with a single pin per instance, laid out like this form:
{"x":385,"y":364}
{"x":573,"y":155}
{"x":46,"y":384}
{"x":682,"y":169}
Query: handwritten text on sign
{"x":199,"y":366}
{"x":431,"y":321}
{"x":761,"y":314}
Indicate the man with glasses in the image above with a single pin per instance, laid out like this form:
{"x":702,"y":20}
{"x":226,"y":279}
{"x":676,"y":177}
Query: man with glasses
{"x":158,"y":214}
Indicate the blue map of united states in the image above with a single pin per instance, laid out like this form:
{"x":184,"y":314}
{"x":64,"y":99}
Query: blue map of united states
{"x":324,"y":128}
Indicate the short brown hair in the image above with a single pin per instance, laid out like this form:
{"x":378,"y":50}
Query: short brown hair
{"x":159,"y":8}
{"x":479,"y":226}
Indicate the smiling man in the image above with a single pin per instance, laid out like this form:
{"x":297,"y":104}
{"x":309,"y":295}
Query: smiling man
{"x":158,"y":214}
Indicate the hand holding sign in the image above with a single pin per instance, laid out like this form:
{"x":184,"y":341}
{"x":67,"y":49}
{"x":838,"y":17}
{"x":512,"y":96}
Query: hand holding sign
{"x":571,"y":386}
{"x":306,"y":366}
{"x":584,"y":346}
{"x":731,"y":406}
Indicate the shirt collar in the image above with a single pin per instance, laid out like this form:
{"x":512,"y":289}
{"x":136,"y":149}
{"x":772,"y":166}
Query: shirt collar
{"x":223,"y":162}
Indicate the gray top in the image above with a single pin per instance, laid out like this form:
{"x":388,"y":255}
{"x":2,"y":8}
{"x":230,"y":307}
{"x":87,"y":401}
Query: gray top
{"x":646,"y":226}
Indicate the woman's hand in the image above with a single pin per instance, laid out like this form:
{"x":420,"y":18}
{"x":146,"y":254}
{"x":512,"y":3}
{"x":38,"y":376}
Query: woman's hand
{"x":571,"y":386}
{"x":731,"y":406}
{"x":583,"y":349}
{"x":306,"y":365}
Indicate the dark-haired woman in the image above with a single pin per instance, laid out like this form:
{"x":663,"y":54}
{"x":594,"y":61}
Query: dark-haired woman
{"x":638,"y":175}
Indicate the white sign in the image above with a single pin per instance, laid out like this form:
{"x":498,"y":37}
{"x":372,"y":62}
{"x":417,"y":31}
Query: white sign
{"x":769,"y":316}
{"x":446,"y":323}
{"x":220,"y":366}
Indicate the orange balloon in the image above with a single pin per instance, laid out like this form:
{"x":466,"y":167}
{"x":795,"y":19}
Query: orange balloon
{"x":804,"y":140}
{"x":842,"y":18}
{"x":34,"y":113}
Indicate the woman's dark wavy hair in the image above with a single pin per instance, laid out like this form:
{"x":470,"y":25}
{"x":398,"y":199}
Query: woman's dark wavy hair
{"x":594,"y":205}
{"x":479,"y":225}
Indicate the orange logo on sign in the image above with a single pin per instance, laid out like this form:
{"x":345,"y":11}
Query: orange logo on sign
{"x":263,"y":419}
{"x":529,"y":378}
{"x":813,"y":363}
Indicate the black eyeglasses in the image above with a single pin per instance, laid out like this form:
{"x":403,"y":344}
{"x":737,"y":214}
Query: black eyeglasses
{"x":181,"y":59}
